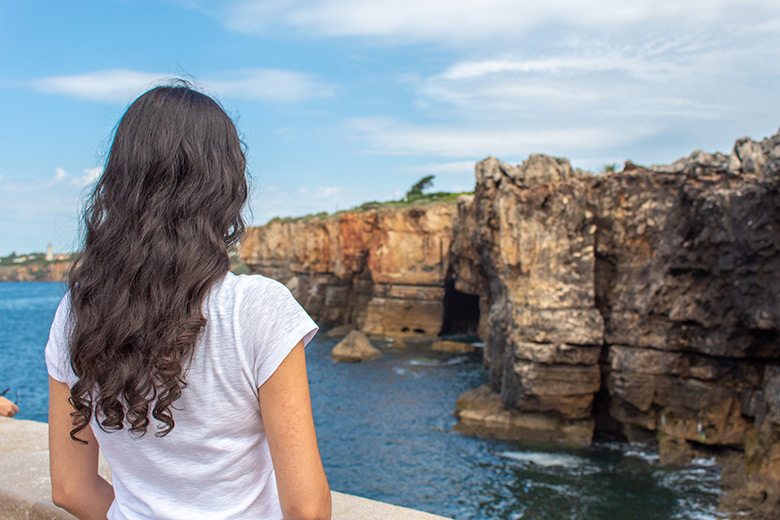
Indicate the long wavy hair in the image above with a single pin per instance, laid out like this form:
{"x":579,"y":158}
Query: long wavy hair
{"x":157,"y":230}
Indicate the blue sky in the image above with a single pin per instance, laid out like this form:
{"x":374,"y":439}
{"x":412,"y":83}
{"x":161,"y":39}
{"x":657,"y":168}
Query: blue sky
{"x":345,"y":101}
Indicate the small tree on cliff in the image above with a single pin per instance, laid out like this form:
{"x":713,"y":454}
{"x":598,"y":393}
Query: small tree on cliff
{"x":416,"y":191}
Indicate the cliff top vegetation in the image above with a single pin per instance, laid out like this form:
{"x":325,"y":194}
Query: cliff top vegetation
{"x":415,"y":196}
{"x":32,"y":267}
{"x":32,"y":258}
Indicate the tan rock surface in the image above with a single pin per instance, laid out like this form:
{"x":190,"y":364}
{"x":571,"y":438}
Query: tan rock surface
{"x":381,"y":270}
{"x":482,"y":412}
{"x":453,"y":346}
{"x":355,"y":347}
{"x":527,"y":237}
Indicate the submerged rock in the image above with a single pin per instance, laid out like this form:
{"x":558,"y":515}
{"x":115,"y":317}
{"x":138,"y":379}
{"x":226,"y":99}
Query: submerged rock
{"x":399,"y":344}
{"x":453,"y":346}
{"x":354,"y":348}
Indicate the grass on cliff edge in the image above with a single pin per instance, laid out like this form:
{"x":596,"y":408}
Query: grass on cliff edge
{"x":419,"y":200}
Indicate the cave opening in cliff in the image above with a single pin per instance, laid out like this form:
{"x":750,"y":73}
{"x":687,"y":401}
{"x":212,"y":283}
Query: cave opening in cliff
{"x":461,"y":311}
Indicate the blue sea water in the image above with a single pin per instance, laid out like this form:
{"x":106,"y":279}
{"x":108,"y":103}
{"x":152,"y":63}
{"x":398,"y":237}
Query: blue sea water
{"x":385,"y":432}
{"x":26,"y":312}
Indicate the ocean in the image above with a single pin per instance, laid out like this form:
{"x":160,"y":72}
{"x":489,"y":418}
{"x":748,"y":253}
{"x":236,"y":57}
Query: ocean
{"x":385,"y":433}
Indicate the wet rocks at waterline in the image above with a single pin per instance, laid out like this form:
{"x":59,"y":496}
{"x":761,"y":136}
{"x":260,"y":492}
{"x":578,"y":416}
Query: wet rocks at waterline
{"x":453,"y":346}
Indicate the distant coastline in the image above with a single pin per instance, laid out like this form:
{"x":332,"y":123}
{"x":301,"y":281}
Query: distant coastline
{"x":35,"y":267}
{"x":45,"y":267}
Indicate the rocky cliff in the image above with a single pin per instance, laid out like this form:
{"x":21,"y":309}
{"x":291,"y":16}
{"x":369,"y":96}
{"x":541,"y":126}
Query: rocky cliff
{"x":382,"y":270}
{"x":642,"y":302}
{"x":35,"y":272}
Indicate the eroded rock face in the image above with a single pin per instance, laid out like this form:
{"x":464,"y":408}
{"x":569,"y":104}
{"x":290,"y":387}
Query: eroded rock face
{"x":453,"y":346}
{"x":537,"y":169}
{"x":525,"y":241}
{"x":643,"y":301}
{"x":669,"y":276}
{"x":382,"y":270}
{"x":481,"y":412}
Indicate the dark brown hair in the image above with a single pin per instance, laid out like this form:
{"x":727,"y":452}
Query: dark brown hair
{"x":158,"y":227}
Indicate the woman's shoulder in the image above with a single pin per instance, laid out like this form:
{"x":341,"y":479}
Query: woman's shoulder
{"x":253,"y":282}
{"x":250,"y":288}
{"x":57,"y":352}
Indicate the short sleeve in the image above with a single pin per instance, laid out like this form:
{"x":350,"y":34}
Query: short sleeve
{"x":57,"y":350}
{"x":271,"y":323}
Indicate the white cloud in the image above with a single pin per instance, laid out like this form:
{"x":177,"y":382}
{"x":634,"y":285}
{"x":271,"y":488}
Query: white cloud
{"x":59,"y":176}
{"x":120,"y":85}
{"x":447,"y":168}
{"x":593,"y":72}
{"x":91,"y":175}
{"x":615,"y":60}
{"x":661,"y":85}
{"x":280,"y":201}
{"x":24,"y":184}
{"x":385,"y":135}
{"x":269,"y":85}
{"x":328,"y":192}
{"x":539,"y":76}
{"x":461,"y":22}
{"x":113,"y":85}
{"x":507,"y":92}
{"x":321,"y":192}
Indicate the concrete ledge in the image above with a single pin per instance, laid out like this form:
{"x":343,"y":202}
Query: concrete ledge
{"x":25,"y":488}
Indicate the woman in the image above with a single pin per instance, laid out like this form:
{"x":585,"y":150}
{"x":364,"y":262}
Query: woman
{"x":191,"y":380}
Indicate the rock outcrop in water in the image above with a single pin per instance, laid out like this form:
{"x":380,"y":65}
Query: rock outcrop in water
{"x":354,"y":348}
{"x":643,"y":302}
{"x":525,"y":242}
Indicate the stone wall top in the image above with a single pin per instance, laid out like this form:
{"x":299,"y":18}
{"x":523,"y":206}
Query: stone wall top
{"x":25,"y":488}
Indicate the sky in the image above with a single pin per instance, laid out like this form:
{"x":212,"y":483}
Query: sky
{"x":340,"y":102}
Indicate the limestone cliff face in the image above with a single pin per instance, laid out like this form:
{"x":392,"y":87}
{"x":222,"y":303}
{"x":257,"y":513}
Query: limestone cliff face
{"x":382,"y":270}
{"x":688,"y":278}
{"x":526,"y":242}
{"x":643,"y":302}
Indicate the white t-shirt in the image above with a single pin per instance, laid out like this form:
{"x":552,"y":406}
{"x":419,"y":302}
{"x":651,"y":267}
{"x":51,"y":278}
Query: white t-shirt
{"x":215,"y":463}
